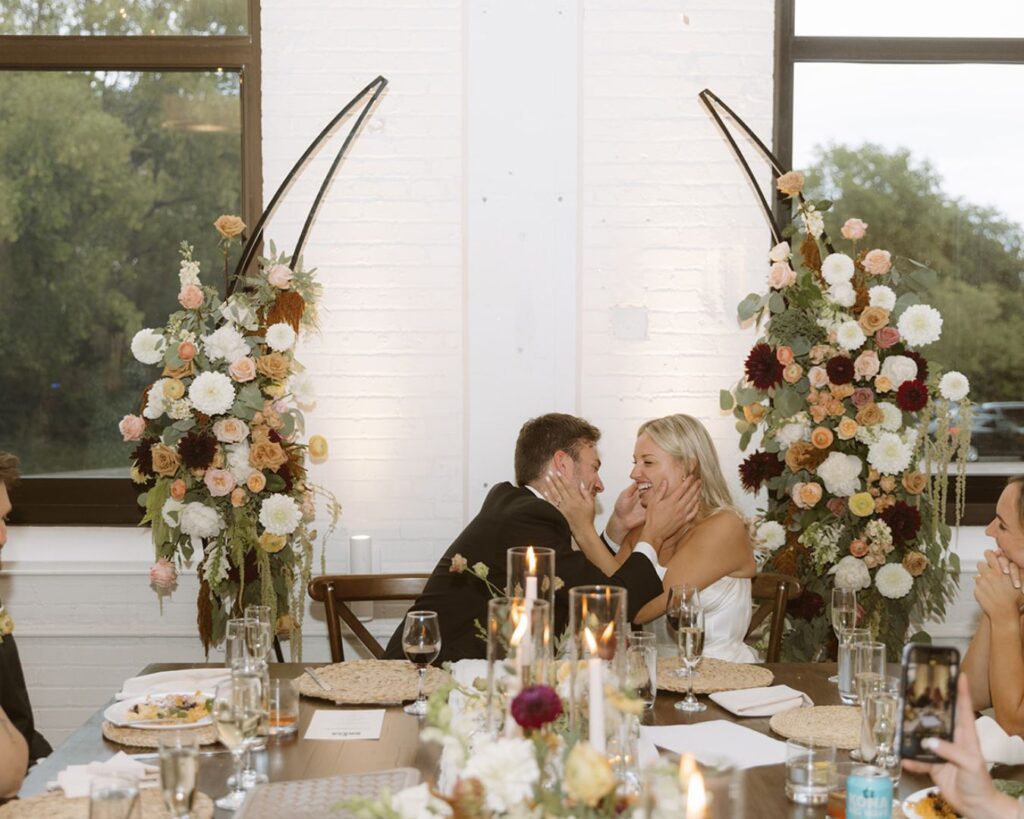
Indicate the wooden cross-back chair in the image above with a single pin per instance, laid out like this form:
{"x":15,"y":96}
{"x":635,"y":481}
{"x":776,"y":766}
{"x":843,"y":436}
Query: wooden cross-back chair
{"x":772,"y":591}
{"x":336,"y":591}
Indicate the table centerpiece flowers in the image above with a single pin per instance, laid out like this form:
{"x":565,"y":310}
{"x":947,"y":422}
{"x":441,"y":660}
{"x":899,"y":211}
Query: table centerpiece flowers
{"x":856,"y":431}
{"x":218,"y":445}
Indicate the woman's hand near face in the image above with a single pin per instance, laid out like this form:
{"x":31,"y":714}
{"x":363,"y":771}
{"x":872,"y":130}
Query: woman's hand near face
{"x":668,"y":512}
{"x":995,"y":591}
{"x":1009,"y":567}
{"x":627,"y":515}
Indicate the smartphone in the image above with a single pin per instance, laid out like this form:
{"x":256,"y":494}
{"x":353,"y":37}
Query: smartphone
{"x":929,"y":697}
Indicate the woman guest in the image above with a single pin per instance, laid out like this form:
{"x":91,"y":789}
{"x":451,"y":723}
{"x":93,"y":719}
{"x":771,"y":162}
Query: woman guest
{"x":674,"y":460}
{"x":994,"y":664}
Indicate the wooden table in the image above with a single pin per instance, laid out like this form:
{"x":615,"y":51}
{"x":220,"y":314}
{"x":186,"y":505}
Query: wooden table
{"x":294,"y":758}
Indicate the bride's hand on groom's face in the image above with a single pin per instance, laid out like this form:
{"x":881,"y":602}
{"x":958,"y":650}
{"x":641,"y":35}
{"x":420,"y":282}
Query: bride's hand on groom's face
{"x":574,"y":502}
{"x":668,"y":512}
{"x":628,"y":509}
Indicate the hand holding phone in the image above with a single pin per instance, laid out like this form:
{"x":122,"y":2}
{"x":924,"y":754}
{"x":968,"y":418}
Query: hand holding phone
{"x":929,"y":676}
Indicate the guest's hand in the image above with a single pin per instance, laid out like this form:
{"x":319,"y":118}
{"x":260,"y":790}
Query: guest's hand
{"x":1008,"y":566}
{"x":668,"y":512}
{"x":964,"y":779}
{"x":574,"y":502}
{"x":995,"y":591}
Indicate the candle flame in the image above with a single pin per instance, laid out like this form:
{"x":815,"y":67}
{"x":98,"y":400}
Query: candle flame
{"x":696,"y":800}
{"x":608,"y":633}
{"x":531,"y":561}
{"x":687,"y":768}
{"x":590,"y":641}
{"x":522,"y":624}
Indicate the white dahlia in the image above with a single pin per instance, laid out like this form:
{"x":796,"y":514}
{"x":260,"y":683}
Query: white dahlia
{"x":200,"y":520}
{"x":889,"y":455}
{"x":419,"y":803}
{"x":851,"y":573}
{"x":280,"y":337}
{"x":920,"y":324}
{"x":899,"y":368}
{"x":841,"y":474}
{"x":212,"y":393}
{"x":238,"y":462}
{"x":770,"y":535}
{"x":850,"y":336}
{"x":508,"y":771}
{"x":280,"y":514}
{"x":798,"y":429}
{"x":837,"y":268}
{"x":954,"y":386}
{"x":225,"y":344}
{"x":892,"y":416}
{"x":842,"y":294}
{"x":893,"y":581}
{"x":148,"y":346}
{"x":156,"y":402}
{"x":881,"y":296}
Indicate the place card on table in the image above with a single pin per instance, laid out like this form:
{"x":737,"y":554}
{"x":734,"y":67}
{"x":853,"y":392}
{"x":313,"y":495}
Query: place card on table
{"x":717,"y":741}
{"x":364,"y":724}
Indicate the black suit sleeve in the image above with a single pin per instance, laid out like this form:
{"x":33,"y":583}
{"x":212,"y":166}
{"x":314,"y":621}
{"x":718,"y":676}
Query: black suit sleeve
{"x":636,"y":575}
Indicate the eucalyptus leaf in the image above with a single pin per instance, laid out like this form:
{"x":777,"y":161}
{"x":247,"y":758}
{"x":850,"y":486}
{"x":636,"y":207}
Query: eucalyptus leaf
{"x":788,"y":402}
{"x":748,"y":395}
{"x":275,"y":483}
{"x":921,"y":636}
{"x":800,"y":345}
{"x":725,"y":400}
{"x":902,"y":303}
{"x":776,"y":303}
{"x":745,"y":439}
{"x":749,"y":306}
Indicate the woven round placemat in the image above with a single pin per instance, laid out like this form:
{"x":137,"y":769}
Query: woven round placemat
{"x":143,"y":738}
{"x":370,"y":682}
{"x":712,"y":676}
{"x":55,"y":805}
{"x":835,"y":725}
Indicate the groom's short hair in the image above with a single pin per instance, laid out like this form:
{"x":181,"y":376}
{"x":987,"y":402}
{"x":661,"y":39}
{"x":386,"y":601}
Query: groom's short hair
{"x":540,"y":438}
{"x":8,"y":469}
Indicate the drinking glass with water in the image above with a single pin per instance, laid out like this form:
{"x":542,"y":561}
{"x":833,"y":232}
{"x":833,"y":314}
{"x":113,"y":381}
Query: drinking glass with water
{"x":179,"y":767}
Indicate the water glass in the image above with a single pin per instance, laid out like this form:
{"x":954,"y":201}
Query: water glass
{"x":421,"y":642}
{"x":847,"y":640}
{"x":810,"y":772}
{"x":283,"y":707}
{"x":179,"y":765}
{"x":114,"y":797}
{"x":642,"y":665}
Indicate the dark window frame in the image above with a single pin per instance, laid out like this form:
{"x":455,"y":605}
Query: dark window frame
{"x":112,"y":501}
{"x":982,"y":490}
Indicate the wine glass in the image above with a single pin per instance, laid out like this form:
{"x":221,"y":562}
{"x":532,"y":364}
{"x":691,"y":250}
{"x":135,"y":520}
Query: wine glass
{"x":179,"y":764}
{"x":237,"y":708}
{"x":679,"y":595}
{"x":844,"y":615}
{"x":237,"y":643}
{"x":421,"y":642}
{"x":691,"y":646}
{"x":259,"y":639}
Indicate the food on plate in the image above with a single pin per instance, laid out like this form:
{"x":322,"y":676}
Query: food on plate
{"x":933,"y":806}
{"x":170,"y":708}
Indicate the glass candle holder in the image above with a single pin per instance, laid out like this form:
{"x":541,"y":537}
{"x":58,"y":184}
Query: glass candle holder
{"x":597,"y":659}
{"x":518,"y":655}
{"x":530,"y":573}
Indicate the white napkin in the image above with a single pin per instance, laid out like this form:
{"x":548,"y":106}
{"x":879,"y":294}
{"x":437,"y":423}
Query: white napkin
{"x":717,"y":741}
{"x":464,"y":672}
{"x":169,"y":682}
{"x":75,"y":780}
{"x":998,"y":747}
{"x":761,"y":702}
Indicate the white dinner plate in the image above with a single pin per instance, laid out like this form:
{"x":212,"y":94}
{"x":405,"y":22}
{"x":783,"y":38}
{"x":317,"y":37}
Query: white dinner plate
{"x":908,"y":803}
{"x":120,"y":712}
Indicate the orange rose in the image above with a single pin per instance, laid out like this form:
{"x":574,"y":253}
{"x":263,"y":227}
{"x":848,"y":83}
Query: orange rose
{"x":229,"y":226}
{"x":267,"y":455}
{"x":869,"y":415}
{"x":238,"y":497}
{"x":822,"y":437}
{"x":858,"y":548}
{"x":841,"y":391}
{"x":792,"y":373}
{"x":184,"y":371}
{"x":165,"y":460}
{"x":274,"y":366}
{"x":808,"y":494}
{"x":884,"y":502}
{"x":753,"y":413}
{"x":915,"y":563}
{"x":819,"y":413}
{"x":784,"y":355}
{"x":873,"y":474}
{"x":256,"y":482}
{"x":187,"y":351}
{"x":178,"y":489}
{"x":804,"y":455}
{"x":873,"y":319}
{"x":915,"y":483}
{"x":887,"y":483}
{"x":836,"y":407}
{"x":847,"y":428}
{"x":883,"y":384}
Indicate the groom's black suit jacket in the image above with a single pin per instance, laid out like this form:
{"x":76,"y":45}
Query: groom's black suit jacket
{"x":513,"y":516}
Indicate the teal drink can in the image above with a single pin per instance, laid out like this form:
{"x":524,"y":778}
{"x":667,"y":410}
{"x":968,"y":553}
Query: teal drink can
{"x":868,"y":793}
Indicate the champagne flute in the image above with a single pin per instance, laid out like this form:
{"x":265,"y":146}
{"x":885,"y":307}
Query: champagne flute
{"x":844,"y":615}
{"x":237,"y":707}
{"x":237,"y":643}
{"x":679,"y":595}
{"x":421,"y":642}
{"x":259,"y":638}
{"x":691,"y":647}
{"x":179,"y":764}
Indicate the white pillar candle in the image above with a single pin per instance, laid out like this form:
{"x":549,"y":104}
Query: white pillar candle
{"x":596,"y":694}
{"x":531,"y":574}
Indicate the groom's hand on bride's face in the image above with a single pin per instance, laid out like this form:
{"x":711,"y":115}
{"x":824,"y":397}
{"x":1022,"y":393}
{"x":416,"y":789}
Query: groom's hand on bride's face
{"x":668,"y":512}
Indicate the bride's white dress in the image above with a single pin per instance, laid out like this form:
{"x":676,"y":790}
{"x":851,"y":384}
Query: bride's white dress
{"x":727,"y":609}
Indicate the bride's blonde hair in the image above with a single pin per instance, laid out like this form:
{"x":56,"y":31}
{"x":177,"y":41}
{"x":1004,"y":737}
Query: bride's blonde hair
{"x":685,"y":439}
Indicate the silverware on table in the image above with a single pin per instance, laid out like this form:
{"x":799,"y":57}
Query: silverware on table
{"x":316,"y":678}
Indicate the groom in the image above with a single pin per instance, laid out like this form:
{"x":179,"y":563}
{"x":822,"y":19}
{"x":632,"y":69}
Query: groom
{"x":520,"y":516}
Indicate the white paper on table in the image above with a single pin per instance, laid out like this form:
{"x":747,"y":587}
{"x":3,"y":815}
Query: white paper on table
{"x":365,"y":724}
{"x":173,"y":682}
{"x":717,"y":741}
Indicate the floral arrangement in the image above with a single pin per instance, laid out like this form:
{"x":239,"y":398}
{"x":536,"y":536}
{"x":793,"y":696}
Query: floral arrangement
{"x":217,"y":441}
{"x":856,"y":438}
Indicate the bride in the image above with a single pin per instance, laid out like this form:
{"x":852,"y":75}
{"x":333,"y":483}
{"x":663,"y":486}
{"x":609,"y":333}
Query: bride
{"x":675,"y":462}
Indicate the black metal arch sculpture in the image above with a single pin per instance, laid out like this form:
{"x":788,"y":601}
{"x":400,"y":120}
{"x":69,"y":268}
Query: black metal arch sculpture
{"x":368,"y":96}
{"x":713,"y":103}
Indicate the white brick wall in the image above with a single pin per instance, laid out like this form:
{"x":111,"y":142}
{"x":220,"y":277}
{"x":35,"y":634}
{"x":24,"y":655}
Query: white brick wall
{"x":625,"y":287}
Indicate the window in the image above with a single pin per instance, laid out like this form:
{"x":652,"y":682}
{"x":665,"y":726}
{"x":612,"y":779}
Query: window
{"x":900,"y":114}
{"x":125,"y":128}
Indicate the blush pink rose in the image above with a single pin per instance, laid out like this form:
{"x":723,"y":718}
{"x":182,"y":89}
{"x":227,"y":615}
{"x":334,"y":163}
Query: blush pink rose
{"x":854,"y":229}
{"x":178,"y":489}
{"x":862,"y":396}
{"x":780,"y":252}
{"x":163,"y":576}
{"x":781,"y":275}
{"x":877,"y":262}
{"x":818,"y":376}
{"x":886,"y":337}
{"x":866,"y":365}
{"x":190,"y":297}
{"x":131,"y":427}
{"x":220,"y":482}
{"x":242,"y":369}
{"x":186,"y":351}
{"x":238,"y":497}
{"x":280,"y":276}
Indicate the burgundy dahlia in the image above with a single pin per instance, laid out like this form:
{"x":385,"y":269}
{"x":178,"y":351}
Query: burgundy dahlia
{"x":922,"y":364}
{"x":840,"y":370}
{"x":536,"y":706}
{"x":904,"y":520}
{"x":197,"y":449}
{"x":912,"y":396}
{"x":764,"y":370}
{"x":807,"y":606}
{"x":758,"y":468}
{"x":143,"y":455}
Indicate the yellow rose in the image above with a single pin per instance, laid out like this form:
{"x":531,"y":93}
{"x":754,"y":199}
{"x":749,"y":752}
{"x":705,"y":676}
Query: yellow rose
{"x":165,"y":460}
{"x":6,"y":624}
{"x":272,"y":543}
{"x":229,"y":226}
{"x":847,"y":428}
{"x":318,"y":448}
{"x":873,"y":319}
{"x":915,"y":482}
{"x":173,"y":389}
{"x":882,"y":383}
{"x":862,"y":504}
{"x":274,"y":366}
{"x":266,"y":454}
{"x":588,"y":775}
